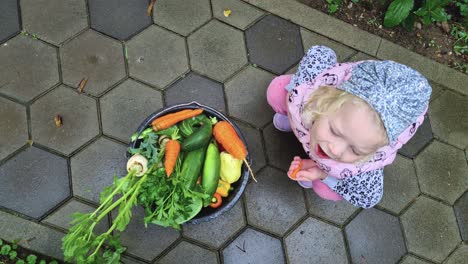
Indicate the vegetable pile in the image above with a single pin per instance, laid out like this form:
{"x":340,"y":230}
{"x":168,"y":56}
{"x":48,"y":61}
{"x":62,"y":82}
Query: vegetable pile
{"x":184,"y":162}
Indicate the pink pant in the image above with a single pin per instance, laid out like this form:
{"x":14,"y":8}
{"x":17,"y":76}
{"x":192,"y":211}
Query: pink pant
{"x":276,"y":97}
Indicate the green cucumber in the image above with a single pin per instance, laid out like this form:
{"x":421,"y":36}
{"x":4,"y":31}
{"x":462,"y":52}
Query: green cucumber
{"x":210,"y":175}
{"x":199,"y":138}
{"x":192,"y":166}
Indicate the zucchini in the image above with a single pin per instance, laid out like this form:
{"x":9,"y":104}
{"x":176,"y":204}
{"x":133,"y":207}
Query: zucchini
{"x":192,"y":166}
{"x":211,"y":168}
{"x":199,"y":138}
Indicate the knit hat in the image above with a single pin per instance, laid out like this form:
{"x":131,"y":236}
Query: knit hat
{"x":397,"y":92}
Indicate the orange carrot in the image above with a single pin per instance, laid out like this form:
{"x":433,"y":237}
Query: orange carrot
{"x":296,"y":170}
{"x":170,"y":155}
{"x":172,"y":119}
{"x":226,"y":136}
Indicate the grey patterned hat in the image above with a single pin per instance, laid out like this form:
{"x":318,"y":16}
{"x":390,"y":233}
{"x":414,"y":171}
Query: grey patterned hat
{"x":397,"y":92}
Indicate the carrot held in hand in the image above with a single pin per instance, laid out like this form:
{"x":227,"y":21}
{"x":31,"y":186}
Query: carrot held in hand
{"x":170,"y":155}
{"x":296,"y":170}
{"x":226,"y":135}
{"x":172,"y":119}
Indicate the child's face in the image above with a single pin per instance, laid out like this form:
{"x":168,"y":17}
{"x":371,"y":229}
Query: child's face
{"x":348,"y":135}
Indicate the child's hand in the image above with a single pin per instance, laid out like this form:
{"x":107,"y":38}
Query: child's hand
{"x":298,"y":164}
{"x":312,"y":174}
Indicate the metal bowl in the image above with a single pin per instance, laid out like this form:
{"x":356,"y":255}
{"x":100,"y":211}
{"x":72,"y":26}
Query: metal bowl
{"x":207,"y":213}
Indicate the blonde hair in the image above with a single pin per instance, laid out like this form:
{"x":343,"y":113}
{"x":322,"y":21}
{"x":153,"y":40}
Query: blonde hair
{"x":327,"y":100}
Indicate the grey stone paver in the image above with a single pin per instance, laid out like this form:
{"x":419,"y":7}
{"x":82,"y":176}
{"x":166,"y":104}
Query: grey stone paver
{"x":242,"y":14}
{"x":413,"y":260}
{"x":281,"y":152}
{"x":216,"y":232}
{"x":33,"y":236}
{"x":400,"y":185}
{"x":310,"y":39}
{"x":13,"y":127}
{"x":194,"y":87}
{"x":29,"y":68}
{"x":262,"y":207}
{"x":54,"y":20}
{"x":254,"y":145}
{"x":430,"y":229}
{"x":460,"y":256}
{"x":126,"y":106}
{"x":187,"y":253}
{"x":94,"y":168}
{"x":422,"y":137}
{"x":181,"y":16}
{"x":274,"y":44}
{"x":129,"y":260}
{"x":446,"y":113}
{"x":361,"y":56}
{"x":442,"y":171}
{"x":147,"y":243}
{"x":437,"y":90}
{"x":33,"y":182}
{"x":79,"y":120}
{"x":63,"y":216}
{"x":95,"y":57}
{"x":337,"y":212}
{"x":120,"y":19}
{"x":461,"y":212}
{"x":316,"y":242}
{"x":9,"y":20}
{"x":157,"y":56}
{"x":217,"y":50}
{"x":375,"y":236}
{"x":254,"y":247}
{"x":246,"y":93}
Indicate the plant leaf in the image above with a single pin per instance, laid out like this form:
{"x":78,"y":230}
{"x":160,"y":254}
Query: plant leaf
{"x":397,"y":12}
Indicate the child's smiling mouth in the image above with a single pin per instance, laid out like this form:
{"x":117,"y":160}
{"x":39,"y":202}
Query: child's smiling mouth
{"x":319,"y":151}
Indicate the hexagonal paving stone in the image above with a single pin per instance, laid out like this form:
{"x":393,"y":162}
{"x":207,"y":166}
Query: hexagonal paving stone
{"x":54,"y":20}
{"x":316,"y":242}
{"x":361,"y":56}
{"x":13,"y":127}
{"x":93,"y":56}
{"x":187,"y":253}
{"x":146,"y":243}
{"x":461,"y":212}
{"x":437,"y":89}
{"x":460,"y":255}
{"x":274,"y":44}
{"x":310,"y":39}
{"x":129,"y":260}
{"x":430,"y":229}
{"x":376,"y":236}
{"x":217,"y":50}
{"x":9,"y":20}
{"x":242,"y":14}
{"x":337,"y":212}
{"x":168,"y":13}
{"x":29,"y":67}
{"x":281,"y":147}
{"x":94,"y":168}
{"x":157,"y":56}
{"x":446,"y":112}
{"x":254,"y":145}
{"x":413,"y":260}
{"x":442,"y":171}
{"x":246,"y":96}
{"x":62,"y":216}
{"x":33,"y":182}
{"x":400,"y":185}
{"x":194,"y":87}
{"x":120,"y":19}
{"x":422,"y":137}
{"x":126,"y":106}
{"x":217,"y":231}
{"x":254,"y":247}
{"x":79,"y":120}
{"x":263,"y":203}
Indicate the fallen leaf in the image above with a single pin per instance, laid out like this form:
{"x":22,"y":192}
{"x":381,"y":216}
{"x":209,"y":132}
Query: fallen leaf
{"x":150,"y":7}
{"x":227,"y":12}
{"x":82,"y":85}
{"x":58,"y":121}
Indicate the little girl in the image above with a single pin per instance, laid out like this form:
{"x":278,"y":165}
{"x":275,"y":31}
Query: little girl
{"x":351,"y":119}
